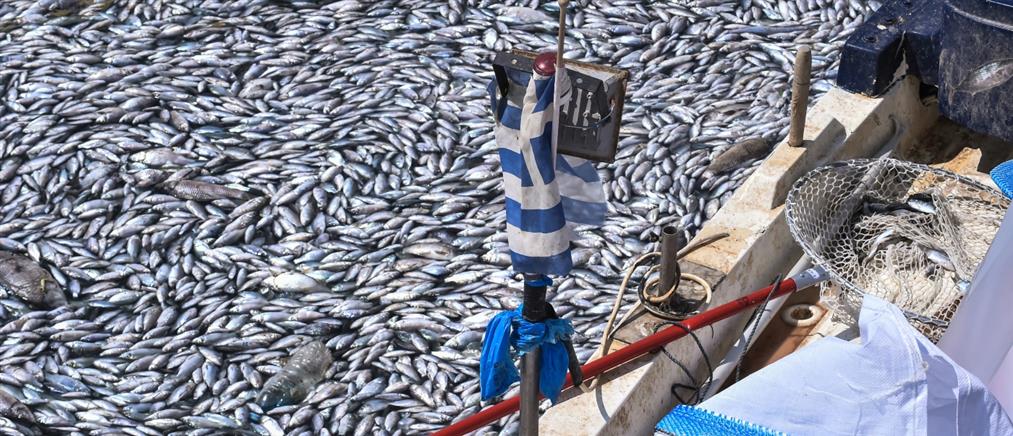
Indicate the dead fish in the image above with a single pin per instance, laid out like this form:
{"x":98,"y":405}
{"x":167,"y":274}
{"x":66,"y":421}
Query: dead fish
{"x":921,"y":203}
{"x":294,"y":282}
{"x":364,"y":132}
{"x":874,"y":207}
{"x":159,"y":157}
{"x":987,"y":76}
{"x":912,"y":205}
{"x":523,"y":15}
{"x":201,"y":191}
{"x":13,"y":408}
{"x":879,"y":242}
{"x":146,"y":178}
{"x":939,"y":258}
{"x":740,"y":152}
{"x":21,"y":276}
{"x":432,"y":250}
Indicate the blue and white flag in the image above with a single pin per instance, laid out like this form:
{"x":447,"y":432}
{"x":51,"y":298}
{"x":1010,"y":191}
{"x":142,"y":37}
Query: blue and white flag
{"x":546,"y":194}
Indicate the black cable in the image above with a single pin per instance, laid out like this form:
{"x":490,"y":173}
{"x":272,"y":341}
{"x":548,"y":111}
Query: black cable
{"x":698,"y":390}
{"x":752,"y":331}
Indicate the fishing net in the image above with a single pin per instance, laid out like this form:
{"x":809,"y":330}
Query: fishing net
{"x":908,"y":233}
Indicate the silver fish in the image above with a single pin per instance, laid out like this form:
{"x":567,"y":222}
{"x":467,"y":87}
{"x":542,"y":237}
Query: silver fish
{"x":168,"y":165}
{"x":201,"y":191}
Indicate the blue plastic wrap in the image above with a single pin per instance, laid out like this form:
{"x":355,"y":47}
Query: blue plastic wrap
{"x":509,"y":329}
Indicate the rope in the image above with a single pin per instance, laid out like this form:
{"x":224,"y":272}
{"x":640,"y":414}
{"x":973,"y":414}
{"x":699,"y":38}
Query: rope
{"x":606,"y":334}
{"x":698,"y":390}
{"x":653,"y":283}
{"x":606,"y":339}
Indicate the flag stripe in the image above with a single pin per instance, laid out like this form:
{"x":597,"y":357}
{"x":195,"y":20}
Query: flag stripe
{"x":583,"y":212}
{"x":535,"y":220}
{"x":559,"y":264}
{"x":542,"y":150}
{"x":544,"y":90}
{"x":512,"y":117}
{"x":513,"y":164}
{"x":530,"y":194}
{"x":573,"y":187}
{"x":541,"y":244}
{"x":585,"y":170}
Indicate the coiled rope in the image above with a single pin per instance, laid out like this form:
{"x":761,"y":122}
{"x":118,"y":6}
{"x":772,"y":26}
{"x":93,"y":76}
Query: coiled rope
{"x":606,"y":339}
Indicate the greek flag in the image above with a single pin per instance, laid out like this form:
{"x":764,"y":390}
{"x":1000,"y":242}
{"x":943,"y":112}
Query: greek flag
{"x":546,"y":194}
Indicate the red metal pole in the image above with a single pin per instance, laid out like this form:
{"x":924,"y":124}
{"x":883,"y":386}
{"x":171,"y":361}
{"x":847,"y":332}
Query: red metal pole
{"x":626,"y":354}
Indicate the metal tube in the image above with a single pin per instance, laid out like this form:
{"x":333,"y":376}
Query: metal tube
{"x":562,"y":34}
{"x":800,"y":95}
{"x":672,"y":240}
{"x":530,"y":367}
{"x":534,"y":297}
{"x":643,"y":346}
{"x":535,"y":310}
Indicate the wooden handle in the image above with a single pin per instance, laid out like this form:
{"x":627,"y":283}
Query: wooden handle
{"x":800,"y":95}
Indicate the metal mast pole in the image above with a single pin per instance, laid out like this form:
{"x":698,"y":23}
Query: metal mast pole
{"x":534,"y":311}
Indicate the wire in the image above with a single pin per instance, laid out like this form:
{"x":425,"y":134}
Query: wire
{"x":754,"y":324}
{"x":606,"y":340}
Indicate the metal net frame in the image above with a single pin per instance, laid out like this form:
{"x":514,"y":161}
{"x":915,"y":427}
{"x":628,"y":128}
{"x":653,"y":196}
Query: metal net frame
{"x":908,"y":233}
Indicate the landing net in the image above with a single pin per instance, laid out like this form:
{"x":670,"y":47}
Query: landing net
{"x":908,"y":233}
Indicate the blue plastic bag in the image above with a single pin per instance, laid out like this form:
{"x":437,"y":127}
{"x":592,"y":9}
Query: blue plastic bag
{"x":509,"y":329}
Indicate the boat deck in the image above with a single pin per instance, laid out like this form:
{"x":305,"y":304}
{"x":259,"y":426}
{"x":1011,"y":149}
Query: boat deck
{"x":840,"y":126}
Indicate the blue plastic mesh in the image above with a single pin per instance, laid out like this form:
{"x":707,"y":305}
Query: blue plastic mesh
{"x":1002,"y":175}
{"x":691,"y":421}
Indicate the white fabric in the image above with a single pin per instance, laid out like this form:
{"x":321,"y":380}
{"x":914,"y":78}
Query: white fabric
{"x":980,"y":336}
{"x":540,"y":244}
{"x":1002,"y":383}
{"x":574,"y":187}
{"x":533,"y":198}
{"x":895,"y":382}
